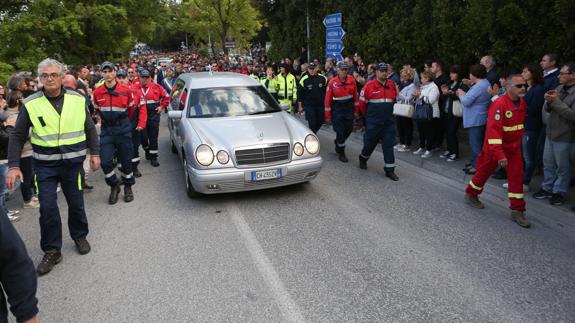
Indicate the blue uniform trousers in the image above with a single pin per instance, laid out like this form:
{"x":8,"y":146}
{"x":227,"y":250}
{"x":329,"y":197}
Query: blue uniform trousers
{"x":342,"y":121}
{"x":117,"y":140}
{"x":70,"y":177}
{"x":377,"y":131}
{"x":315,"y":116}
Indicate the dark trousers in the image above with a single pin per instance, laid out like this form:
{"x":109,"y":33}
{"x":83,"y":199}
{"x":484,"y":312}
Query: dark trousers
{"x":342,"y":119}
{"x":452,"y":124}
{"x":149,"y":136}
{"x":439,"y":130}
{"x":405,"y":130}
{"x":122,"y":144}
{"x":27,"y":186}
{"x":70,"y":178}
{"x":425,"y":130}
{"x":376,"y":133}
{"x":315,"y":115}
{"x":136,"y":141}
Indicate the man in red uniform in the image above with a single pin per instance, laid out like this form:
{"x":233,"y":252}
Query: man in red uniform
{"x":502,"y":147}
{"x":342,"y":100}
{"x":156,"y":100}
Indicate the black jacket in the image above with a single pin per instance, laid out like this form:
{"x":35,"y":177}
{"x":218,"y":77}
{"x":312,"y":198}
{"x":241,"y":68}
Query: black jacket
{"x":17,"y":275}
{"x":311,"y":90}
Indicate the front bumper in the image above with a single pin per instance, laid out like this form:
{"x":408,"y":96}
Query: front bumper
{"x":215,"y":181}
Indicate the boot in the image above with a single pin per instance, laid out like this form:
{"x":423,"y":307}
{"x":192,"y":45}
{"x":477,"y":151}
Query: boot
{"x":154,"y":162}
{"x":391,"y":175}
{"x":136,"y":171}
{"x":362,"y":162}
{"x":519,"y":218}
{"x":473,"y":200}
{"x":128,"y":194}
{"x":336,"y":147}
{"x":51,"y":258}
{"x":114,"y":192}
{"x":148,"y":156}
{"x":342,"y":157}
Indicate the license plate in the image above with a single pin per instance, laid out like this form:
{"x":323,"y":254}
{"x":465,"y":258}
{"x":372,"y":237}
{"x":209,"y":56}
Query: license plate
{"x":262,"y":175}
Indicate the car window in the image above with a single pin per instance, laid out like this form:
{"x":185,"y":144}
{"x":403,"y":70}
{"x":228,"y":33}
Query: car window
{"x":176,"y":94}
{"x":232,"y":101}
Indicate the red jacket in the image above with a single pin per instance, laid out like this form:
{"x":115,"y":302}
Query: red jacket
{"x":140,"y":106}
{"x":342,"y":93}
{"x":114,"y":107}
{"x":504,"y":128}
{"x":154,"y":96}
{"x":375,"y":93}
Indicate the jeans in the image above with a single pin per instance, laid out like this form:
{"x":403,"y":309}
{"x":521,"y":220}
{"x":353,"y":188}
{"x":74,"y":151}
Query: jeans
{"x":529,"y":149}
{"x":27,"y":185}
{"x":476,"y":135}
{"x":3,"y":173}
{"x":557,"y":166}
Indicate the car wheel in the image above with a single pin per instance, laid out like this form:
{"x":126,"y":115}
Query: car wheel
{"x":174,"y":149}
{"x":192,"y":193}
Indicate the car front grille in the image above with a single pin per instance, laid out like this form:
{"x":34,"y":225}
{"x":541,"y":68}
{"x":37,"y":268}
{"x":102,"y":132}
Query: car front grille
{"x":265,"y":155}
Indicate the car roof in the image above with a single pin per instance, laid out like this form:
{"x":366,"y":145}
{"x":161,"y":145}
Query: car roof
{"x":202,"y":80}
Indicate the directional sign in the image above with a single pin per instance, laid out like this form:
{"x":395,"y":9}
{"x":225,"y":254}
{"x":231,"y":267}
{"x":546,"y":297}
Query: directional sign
{"x":333,"y":20}
{"x":334,"y":34}
{"x":337,"y":56}
{"x":334,"y":46}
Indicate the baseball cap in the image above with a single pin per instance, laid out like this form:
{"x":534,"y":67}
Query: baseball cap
{"x":312,"y":65}
{"x":381,"y":67}
{"x":342,"y":65}
{"x":107,"y":64}
{"x":122,"y":72}
{"x":144,"y":73}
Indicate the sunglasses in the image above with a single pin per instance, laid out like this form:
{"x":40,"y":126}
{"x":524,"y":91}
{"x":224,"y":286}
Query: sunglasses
{"x":520,"y":85}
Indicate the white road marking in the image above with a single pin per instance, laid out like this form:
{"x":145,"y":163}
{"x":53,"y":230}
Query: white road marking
{"x":290,"y":310}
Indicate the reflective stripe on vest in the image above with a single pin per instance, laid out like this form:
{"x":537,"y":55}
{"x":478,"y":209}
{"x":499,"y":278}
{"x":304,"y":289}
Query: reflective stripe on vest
{"x":52,"y":157}
{"x":514,"y":128}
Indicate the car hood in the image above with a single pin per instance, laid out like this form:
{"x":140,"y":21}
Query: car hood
{"x":234,"y":132}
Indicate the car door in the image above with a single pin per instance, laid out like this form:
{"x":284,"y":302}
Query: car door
{"x":174,"y":105}
{"x":178,"y":131}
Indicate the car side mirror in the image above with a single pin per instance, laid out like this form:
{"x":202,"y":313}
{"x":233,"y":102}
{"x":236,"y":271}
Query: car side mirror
{"x":175,"y":114}
{"x":284,"y":107}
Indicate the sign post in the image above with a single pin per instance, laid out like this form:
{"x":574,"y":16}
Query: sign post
{"x":334,"y":34}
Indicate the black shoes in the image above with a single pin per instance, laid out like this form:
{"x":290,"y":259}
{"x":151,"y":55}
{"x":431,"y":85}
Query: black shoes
{"x":557,"y":199}
{"x":362,"y":162}
{"x":83,"y":246}
{"x":542,"y":194}
{"x":114,"y":192}
{"x":128,"y":194}
{"x":391,"y":175}
{"x":342,"y":158}
{"x":137,"y":172}
{"x":50,"y":259}
{"x":499,"y":174}
{"x":154,"y":162}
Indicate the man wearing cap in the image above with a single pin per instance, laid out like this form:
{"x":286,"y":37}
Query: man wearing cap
{"x":156,"y":100}
{"x":255,"y":72}
{"x":287,"y":88}
{"x":341,"y":101}
{"x":114,"y":101}
{"x":138,"y":117}
{"x":376,"y":104}
{"x":270,"y":82}
{"x":62,"y":134}
{"x":311,"y":96}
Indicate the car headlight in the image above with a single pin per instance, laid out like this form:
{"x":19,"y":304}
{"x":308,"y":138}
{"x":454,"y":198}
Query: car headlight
{"x":298,"y":149}
{"x":222,"y":157}
{"x":312,"y":144}
{"x":204,"y":155}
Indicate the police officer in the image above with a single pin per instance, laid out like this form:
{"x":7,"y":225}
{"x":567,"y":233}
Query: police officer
{"x":287,"y":90}
{"x":376,"y":104}
{"x":311,"y":97}
{"x":270,"y":82}
{"x":113,"y":102}
{"x":62,"y":132}
{"x":156,"y":100}
{"x":341,"y":100}
{"x":138,"y":117}
{"x":255,"y":73}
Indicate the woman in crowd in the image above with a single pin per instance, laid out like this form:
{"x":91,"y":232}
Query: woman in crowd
{"x":475,"y":103}
{"x":428,"y":93}
{"x":13,"y":109}
{"x":404,"y":124}
{"x":452,"y":122}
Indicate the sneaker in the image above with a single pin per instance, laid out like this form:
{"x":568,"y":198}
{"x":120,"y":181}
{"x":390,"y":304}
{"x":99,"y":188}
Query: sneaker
{"x":32,"y":204}
{"x":396,"y":147}
{"x":58,"y":188}
{"x":445,"y":154}
{"x":427,"y":154}
{"x":419,"y":151}
{"x":51,"y":258}
{"x":474,"y":201}
{"x":467,"y":166}
{"x":83,"y":246}
{"x":525,"y":187}
{"x":13,"y":218}
{"x":404,"y":148}
{"x":542,"y":194}
{"x":471,"y":171}
{"x":13,"y":212}
{"x":557,"y":199}
{"x":519,"y":218}
{"x":452,"y":158}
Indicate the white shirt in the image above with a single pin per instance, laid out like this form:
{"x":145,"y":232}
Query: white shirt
{"x":549,"y":72}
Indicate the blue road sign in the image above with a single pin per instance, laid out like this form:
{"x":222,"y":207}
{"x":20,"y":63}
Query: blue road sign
{"x":333,"y":20}
{"x":334,"y":46}
{"x":334,"y":34}
{"x":337,"y":56}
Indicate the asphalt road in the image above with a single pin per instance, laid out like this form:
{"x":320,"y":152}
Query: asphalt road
{"x":352,"y":246}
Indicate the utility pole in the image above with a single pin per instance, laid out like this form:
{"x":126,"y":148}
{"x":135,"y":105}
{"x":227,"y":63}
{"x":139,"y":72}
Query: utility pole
{"x":307,"y":23}
{"x":187,"y":46}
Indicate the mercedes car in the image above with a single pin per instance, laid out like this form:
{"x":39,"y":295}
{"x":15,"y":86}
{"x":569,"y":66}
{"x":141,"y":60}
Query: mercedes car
{"x":231,"y":135}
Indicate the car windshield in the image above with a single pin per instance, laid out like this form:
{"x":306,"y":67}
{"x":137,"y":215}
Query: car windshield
{"x":231,"y":102}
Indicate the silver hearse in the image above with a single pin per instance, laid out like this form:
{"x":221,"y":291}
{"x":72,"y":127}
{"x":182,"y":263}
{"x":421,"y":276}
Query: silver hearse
{"x":231,"y":135}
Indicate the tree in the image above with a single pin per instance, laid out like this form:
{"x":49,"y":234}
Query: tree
{"x":223,"y":19}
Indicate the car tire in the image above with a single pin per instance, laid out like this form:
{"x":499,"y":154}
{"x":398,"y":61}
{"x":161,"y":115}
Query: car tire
{"x":192,"y":193}
{"x":174,"y":149}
